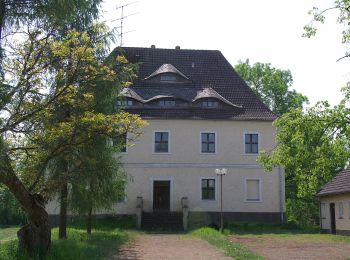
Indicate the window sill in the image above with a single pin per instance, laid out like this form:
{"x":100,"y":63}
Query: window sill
{"x":253,"y":201}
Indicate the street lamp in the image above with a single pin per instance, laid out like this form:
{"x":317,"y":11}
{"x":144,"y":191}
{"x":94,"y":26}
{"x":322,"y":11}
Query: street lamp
{"x":221,"y":172}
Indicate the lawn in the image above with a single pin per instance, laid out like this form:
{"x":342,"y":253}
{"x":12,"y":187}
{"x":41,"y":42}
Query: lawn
{"x":106,"y":238}
{"x":8,"y":233}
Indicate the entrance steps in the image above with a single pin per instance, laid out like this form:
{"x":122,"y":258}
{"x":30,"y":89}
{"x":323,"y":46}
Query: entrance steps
{"x":171,"y":221}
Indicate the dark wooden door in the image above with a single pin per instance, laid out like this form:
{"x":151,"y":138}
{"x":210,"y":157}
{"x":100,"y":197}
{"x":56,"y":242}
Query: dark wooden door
{"x":161,"y":195}
{"x":332,"y":215}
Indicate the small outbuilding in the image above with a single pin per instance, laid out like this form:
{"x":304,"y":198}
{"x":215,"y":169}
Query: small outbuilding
{"x":335,"y":204}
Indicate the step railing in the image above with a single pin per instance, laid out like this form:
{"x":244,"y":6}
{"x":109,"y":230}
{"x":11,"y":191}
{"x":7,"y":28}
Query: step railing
{"x":139,"y":209}
{"x":184,"y":204}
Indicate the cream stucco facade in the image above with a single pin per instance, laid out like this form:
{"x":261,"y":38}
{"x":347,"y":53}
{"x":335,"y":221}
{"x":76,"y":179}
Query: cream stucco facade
{"x":185,"y":166}
{"x":341,"y":213}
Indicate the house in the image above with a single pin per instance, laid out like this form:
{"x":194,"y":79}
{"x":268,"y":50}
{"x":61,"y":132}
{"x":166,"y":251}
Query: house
{"x":335,"y":204}
{"x":202,"y":116}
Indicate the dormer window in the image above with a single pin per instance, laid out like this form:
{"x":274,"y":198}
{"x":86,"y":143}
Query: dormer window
{"x":167,"y":77}
{"x":124,"y":103}
{"x":167,"y":103}
{"x":209,"y":104}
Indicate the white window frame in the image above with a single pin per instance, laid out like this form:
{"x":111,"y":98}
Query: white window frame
{"x":323,"y":210}
{"x":216,"y":188}
{"x":340,"y":210}
{"x":244,"y":151}
{"x":200,"y":141}
{"x":154,"y":141}
{"x":168,"y":77}
{"x":245,"y":190}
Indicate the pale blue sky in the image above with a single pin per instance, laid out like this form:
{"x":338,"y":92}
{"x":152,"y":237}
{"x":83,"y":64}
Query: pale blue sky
{"x":263,"y":31}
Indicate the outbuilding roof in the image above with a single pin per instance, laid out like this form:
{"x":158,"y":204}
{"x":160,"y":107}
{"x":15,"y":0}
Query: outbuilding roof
{"x":338,"y":185}
{"x":208,"y":75}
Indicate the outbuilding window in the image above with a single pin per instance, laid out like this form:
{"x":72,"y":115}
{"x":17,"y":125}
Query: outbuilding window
{"x":323,"y":210}
{"x":340,"y":209}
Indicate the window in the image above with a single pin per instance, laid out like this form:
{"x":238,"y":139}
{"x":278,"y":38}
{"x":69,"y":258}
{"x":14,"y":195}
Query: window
{"x":161,"y":142}
{"x":120,"y":141}
{"x":251,"y":142}
{"x":209,"y":104}
{"x":167,"y":103}
{"x":208,"y":142}
{"x":167,"y":77}
{"x":252,"y":190}
{"x":124,"y":103}
{"x":340,"y":210}
{"x":323,"y":210}
{"x":208,"y":189}
{"x":349,"y":209}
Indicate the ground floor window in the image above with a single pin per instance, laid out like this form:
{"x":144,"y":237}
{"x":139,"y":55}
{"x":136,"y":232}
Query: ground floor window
{"x":208,"y":189}
{"x":252,"y":190}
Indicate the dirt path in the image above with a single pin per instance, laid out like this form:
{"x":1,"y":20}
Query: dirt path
{"x":278,"y":248}
{"x":169,"y":247}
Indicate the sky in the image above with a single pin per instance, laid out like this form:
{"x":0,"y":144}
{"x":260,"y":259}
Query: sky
{"x":268,"y":31}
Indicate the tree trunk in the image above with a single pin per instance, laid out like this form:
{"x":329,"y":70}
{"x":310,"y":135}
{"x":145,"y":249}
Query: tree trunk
{"x":62,"y":231}
{"x":89,"y":222}
{"x":35,"y":237}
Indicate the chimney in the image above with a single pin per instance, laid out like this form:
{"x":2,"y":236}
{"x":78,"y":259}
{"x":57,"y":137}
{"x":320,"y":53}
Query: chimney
{"x":153,"y":46}
{"x":177,"y":47}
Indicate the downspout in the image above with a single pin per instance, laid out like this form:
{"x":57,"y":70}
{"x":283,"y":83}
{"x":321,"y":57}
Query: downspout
{"x":281,"y":192}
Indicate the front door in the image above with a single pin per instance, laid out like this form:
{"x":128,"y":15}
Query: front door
{"x":161,"y":195}
{"x":332,"y":214}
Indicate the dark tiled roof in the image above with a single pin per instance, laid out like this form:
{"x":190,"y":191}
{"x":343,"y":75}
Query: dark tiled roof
{"x":208,"y":72}
{"x":339,"y":184}
{"x":166,"y":68}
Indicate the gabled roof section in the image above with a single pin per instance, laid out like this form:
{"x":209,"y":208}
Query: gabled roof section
{"x":166,"y":68}
{"x":210,"y":76}
{"x":338,"y":185}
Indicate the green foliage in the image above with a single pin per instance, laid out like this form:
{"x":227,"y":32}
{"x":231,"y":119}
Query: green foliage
{"x":271,"y":85}
{"x":312,"y":146}
{"x":104,"y":241}
{"x":11,"y":212}
{"x":231,"y":249}
{"x":319,"y":16}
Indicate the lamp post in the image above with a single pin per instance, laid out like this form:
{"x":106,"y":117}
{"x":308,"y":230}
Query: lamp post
{"x":221,"y":172}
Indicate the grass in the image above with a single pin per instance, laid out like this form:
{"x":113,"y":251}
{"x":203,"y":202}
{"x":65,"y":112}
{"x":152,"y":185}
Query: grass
{"x":107,"y":236}
{"x":218,"y":240}
{"x":8,"y":233}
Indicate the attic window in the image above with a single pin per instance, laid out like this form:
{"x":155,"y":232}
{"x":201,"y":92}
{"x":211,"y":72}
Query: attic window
{"x":209,"y":104}
{"x":167,"y":77}
{"x":124,"y":103}
{"x":167,"y":103}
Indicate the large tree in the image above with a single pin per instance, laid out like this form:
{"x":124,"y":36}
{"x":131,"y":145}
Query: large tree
{"x":271,"y":85}
{"x":35,"y":84}
{"x":312,"y":146}
{"x":342,"y":7}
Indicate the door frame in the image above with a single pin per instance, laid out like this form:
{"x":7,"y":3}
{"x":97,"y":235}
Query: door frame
{"x":170,"y":192}
{"x":332,"y":218}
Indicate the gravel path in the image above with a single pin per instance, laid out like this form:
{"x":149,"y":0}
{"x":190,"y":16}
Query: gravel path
{"x":169,"y":247}
{"x":273,"y":248}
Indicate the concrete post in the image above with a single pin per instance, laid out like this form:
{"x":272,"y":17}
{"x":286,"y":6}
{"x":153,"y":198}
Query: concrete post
{"x":184,"y":203}
{"x":139,"y":208}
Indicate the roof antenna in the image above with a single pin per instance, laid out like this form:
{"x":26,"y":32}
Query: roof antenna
{"x":121,"y":19}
